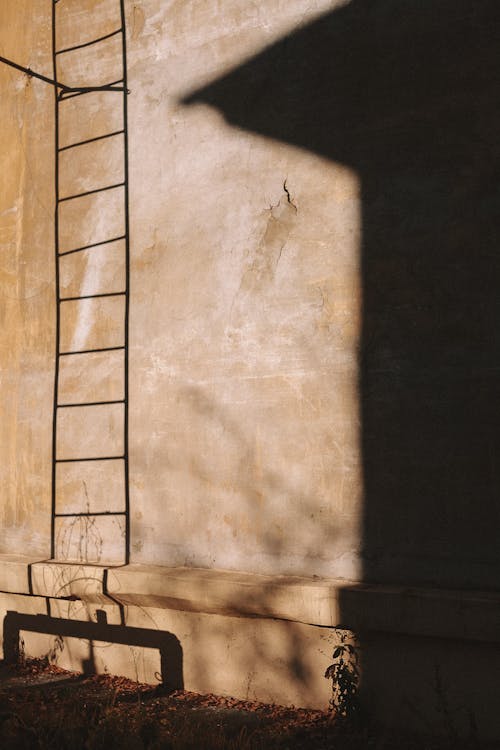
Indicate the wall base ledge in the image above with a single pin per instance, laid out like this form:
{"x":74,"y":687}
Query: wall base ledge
{"x":420,"y":611}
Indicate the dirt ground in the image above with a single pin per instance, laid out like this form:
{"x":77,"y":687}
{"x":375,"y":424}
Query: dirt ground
{"x":42,"y":707}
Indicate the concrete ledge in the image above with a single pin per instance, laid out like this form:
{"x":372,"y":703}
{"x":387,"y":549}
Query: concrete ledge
{"x":245,"y":657}
{"x":404,"y":677}
{"x":297,"y":599}
{"x":438,"y":613}
{"x":63,"y":580}
{"x":468,"y":615}
{"x":263,"y":637}
{"x":15,"y":573}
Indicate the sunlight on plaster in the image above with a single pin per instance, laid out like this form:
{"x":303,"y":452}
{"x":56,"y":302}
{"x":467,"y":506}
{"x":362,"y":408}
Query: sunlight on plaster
{"x":91,"y":282}
{"x":214,"y":52}
{"x":278,"y":344}
{"x":268,"y":381}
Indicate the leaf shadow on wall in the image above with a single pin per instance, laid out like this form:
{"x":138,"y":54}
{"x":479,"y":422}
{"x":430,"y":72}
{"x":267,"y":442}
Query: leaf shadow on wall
{"x":406,"y":94}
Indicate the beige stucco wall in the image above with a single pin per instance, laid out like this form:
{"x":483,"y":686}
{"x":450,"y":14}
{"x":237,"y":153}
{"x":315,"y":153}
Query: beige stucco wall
{"x":245,"y":305}
{"x":245,"y":318}
{"x":244,"y":362}
{"x":26,"y":282}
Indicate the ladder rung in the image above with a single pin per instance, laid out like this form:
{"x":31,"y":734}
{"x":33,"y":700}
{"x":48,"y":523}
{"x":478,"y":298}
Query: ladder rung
{"x":92,"y":351}
{"x":75,"y":91}
{"x":94,"y":458}
{"x":91,"y":403}
{"x":91,"y":140}
{"x":89,"y":44}
{"x":95,"y":244}
{"x":92,"y":296}
{"x":88,"y":513}
{"x":91,"y":192}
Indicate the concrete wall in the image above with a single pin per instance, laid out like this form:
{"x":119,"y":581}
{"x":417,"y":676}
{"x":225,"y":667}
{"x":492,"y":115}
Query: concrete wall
{"x":312,"y":356}
{"x":245,"y":302}
{"x":243,"y":372}
{"x":27,"y":272}
{"x":406,"y":97}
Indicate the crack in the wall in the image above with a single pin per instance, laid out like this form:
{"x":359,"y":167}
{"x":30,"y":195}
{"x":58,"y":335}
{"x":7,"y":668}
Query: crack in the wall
{"x":289,"y":197}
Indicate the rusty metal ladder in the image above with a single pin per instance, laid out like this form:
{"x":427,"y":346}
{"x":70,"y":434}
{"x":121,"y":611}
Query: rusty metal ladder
{"x":90,"y":457}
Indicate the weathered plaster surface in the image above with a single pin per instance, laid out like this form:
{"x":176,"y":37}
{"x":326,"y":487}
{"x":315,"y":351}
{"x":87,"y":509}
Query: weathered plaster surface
{"x":26,"y":283}
{"x":245,"y":305}
{"x":244,"y":369}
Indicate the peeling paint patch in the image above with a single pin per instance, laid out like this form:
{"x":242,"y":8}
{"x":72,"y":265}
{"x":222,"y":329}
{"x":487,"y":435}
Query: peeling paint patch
{"x":263,"y":263}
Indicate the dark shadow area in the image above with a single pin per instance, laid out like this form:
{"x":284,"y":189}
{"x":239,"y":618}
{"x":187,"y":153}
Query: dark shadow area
{"x":171,"y":657}
{"x":406,"y":94}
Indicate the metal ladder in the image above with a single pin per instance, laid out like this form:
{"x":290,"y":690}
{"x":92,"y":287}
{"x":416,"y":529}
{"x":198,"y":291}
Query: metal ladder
{"x":90,"y":457}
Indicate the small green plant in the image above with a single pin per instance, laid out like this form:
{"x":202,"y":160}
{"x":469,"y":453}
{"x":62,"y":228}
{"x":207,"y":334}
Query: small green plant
{"x":344,"y":674}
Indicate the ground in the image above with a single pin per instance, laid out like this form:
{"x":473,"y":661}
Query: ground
{"x":42,"y":707}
